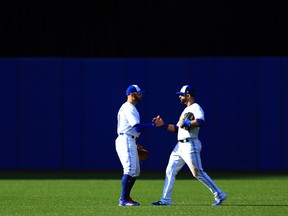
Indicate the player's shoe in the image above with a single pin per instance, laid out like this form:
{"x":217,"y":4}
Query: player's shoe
{"x":128,"y":202}
{"x":160,"y":203}
{"x":220,"y":201}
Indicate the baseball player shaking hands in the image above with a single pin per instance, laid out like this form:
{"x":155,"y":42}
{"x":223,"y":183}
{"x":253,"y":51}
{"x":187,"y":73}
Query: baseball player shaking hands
{"x":187,"y":150}
{"x":128,"y":130}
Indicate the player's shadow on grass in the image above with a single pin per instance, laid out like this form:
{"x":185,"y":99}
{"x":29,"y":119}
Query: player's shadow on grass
{"x":231,"y":205}
{"x":244,"y":205}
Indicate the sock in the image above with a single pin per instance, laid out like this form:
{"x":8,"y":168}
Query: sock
{"x":130,"y":185}
{"x":126,"y":186}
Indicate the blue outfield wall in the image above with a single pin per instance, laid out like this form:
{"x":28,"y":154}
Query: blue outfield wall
{"x":60,"y":113}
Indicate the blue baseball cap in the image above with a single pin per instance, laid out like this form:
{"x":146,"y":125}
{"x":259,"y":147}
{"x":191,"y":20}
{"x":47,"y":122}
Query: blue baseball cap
{"x":133,"y":89}
{"x":186,"y":89}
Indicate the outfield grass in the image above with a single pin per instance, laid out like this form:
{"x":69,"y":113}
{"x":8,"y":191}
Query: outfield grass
{"x":98,"y":193}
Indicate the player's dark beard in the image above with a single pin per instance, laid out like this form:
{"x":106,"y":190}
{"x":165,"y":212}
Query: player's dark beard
{"x":137,"y":98}
{"x":183,"y":101}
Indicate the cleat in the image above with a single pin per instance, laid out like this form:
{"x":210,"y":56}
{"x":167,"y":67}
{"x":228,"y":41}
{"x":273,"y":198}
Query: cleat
{"x":160,"y":203}
{"x":128,"y":202}
{"x":220,"y":201}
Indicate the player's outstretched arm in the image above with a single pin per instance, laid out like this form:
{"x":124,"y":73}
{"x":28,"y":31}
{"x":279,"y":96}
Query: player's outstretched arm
{"x":160,"y":123}
{"x":156,"y":122}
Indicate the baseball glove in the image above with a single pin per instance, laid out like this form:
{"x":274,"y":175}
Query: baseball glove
{"x":142,"y":152}
{"x":188,"y":116}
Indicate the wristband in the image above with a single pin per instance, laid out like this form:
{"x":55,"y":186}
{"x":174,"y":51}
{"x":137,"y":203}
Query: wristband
{"x":176,"y":128}
{"x":186,"y":123}
{"x":165,"y":126}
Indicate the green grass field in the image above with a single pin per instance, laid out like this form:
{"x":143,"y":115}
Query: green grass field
{"x":98,"y":193}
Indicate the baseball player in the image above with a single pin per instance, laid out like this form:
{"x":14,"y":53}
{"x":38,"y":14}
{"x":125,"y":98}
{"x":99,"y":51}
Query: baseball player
{"x":129,"y":129}
{"x":187,"y":149}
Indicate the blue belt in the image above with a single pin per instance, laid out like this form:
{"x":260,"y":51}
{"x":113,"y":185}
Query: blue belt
{"x":133,"y":137}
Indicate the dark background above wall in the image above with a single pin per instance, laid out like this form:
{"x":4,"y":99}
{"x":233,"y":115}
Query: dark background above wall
{"x":169,"y":28}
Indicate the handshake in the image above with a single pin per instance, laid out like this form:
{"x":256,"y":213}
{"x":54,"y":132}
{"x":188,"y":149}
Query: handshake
{"x":158,"y":121}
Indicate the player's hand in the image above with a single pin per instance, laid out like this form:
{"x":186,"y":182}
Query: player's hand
{"x":155,"y":118}
{"x":158,"y":121}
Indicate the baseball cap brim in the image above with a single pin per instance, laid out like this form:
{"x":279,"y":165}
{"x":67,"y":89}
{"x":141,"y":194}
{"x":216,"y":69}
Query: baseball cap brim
{"x":139,"y":92}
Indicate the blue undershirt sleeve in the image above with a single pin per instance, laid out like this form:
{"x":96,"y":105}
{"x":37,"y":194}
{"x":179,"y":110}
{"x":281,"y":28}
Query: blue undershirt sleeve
{"x":142,"y":127}
{"x":200,"y":122}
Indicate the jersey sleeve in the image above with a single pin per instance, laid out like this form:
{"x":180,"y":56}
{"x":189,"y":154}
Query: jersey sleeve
{"x":198,"y":112}
{"x":132,"y":116}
